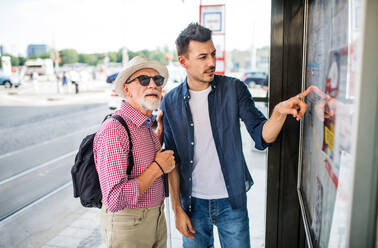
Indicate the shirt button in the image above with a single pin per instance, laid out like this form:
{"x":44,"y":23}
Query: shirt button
{"x":190,"y":179}
{"x":192,"y":143}
{"x":190,"y":197}
{"x":191,"y":124}
{"x":191,"y":161}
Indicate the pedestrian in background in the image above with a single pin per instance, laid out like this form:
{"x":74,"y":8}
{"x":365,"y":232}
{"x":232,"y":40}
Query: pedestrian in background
{"x":202,"y":126}
{"x":133,"y":206}
{"x":35,"y":78}
{"x":64,"y":82}
{"x":64,"y":79}
{"x":74,"y":76}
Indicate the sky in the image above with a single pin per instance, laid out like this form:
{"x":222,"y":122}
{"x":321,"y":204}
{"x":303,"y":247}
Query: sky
{"x":93,"y":26}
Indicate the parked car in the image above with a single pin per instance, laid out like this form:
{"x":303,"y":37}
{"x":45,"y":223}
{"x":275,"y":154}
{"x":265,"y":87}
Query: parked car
{"x":7,"y":82}
{"x":114,"y":99}
{"x":110,"y":79}
{"x":255,"y":78}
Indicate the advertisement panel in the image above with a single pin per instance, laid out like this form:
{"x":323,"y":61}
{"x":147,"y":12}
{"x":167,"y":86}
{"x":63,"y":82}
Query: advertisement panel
{"x":325,"y":164}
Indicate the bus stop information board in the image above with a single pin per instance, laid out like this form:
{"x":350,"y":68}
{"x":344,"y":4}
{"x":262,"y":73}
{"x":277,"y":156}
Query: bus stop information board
{"x":325,"y":164}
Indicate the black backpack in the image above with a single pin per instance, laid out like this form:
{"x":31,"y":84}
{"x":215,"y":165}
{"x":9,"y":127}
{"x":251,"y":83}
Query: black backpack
{"x":86,"y":184}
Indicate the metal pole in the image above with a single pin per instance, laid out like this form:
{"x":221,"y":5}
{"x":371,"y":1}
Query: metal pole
{"x":56,"y":64}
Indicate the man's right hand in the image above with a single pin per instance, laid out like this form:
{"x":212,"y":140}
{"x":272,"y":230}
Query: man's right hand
{"x":183,"y":224}
{"x":166,"y":160}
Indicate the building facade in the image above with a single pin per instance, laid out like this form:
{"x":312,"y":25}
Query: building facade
{"x":36,"y":49}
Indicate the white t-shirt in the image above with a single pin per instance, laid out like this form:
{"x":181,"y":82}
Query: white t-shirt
{"x":207,"y":177}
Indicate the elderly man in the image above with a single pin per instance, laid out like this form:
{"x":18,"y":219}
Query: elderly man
{"x":133,"y":211}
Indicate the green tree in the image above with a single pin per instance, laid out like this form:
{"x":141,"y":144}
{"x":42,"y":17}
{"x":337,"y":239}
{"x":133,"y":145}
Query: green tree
{"x":113,"y":56}
{"x":21,"y":60}
{"x":144,"y":53}
{"x":158,"y":55}
{"x":14,"y":60}
{"x":68,"y":56}
{"x":119,"y":56}
{"x":90,"y":59}
{"x":100,"y":58}
{"x":42,"y":56}
{"x":175,"y":56}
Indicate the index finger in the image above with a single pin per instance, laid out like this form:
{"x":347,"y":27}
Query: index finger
{"x":189,"y":232}
{"x":188,"y":235}
{"x":159,"y":116}
{"x":168,"y":151}
{"x":305,"y":93}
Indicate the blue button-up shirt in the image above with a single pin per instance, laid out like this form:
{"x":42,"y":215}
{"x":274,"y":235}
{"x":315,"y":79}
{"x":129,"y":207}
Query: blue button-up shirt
{"x":229,"y":101}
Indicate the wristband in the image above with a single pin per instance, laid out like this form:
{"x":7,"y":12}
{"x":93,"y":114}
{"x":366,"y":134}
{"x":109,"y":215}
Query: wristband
{"x":159,"y":166}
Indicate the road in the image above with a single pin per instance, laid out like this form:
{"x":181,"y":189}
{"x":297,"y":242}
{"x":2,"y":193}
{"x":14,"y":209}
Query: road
{"x":37,"y":149}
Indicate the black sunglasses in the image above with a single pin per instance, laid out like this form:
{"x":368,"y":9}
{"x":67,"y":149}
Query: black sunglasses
{"x":144,"y":80}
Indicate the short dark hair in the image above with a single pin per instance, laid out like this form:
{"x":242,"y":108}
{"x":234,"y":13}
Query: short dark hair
{"x":193,"y":31}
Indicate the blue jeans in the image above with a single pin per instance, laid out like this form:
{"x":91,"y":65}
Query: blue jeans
{"x":232,"y":224}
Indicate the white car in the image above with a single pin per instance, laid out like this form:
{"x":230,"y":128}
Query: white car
{"x":114,"y":99}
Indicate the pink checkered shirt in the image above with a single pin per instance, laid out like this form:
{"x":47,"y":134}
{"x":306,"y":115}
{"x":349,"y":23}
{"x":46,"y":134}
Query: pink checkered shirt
{"x":111,"y":147}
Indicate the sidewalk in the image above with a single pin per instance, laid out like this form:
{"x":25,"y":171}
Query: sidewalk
{"x":46,"y":93}
{"x":85,"y":232}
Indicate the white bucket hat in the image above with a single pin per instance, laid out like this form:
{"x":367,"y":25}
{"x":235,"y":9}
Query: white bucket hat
{"x":136,"y":64}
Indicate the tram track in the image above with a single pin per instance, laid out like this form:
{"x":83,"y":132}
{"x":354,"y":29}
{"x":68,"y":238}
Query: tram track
{"x":30,"y":174}
{"x":21,"y":209}
{"x":16,"y":162}
{"x":39,"y":148}
{"x":22,"y":189}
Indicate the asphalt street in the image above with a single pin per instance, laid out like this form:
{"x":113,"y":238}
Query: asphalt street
{"x":31,"y":125}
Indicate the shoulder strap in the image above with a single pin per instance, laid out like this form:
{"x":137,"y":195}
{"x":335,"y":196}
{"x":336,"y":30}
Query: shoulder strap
{"x":107,"y":116}
{"x":131,"y":159}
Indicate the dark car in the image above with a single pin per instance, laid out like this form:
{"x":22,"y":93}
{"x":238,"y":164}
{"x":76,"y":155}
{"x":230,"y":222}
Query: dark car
{"x":7,"y":82}
{"x":111,"y":78}
{"x":256,"y":78}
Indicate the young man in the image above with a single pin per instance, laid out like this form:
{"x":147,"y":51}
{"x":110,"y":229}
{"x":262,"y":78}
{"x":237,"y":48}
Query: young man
{"x":133,"y":211}
{"x":201,"y":125}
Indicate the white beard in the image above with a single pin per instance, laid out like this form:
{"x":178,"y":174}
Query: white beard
{"x":150,"y":103}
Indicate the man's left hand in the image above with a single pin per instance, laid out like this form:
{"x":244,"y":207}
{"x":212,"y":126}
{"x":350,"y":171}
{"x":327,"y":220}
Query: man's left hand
{"x":294,"y":105}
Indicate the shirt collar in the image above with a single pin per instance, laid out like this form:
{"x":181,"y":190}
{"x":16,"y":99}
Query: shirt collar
{"x":150,"y":120}
{"x":135,"y":116}
{"x":186,"y":93}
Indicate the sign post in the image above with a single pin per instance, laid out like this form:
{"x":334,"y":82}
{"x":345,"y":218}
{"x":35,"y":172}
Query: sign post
{"x":6,"y":65}
{"x":213,"y":18}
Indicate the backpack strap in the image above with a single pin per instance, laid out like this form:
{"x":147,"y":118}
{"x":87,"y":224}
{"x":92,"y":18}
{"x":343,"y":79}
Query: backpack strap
{"x":131,"y":159}
{"x":106,"y":117}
